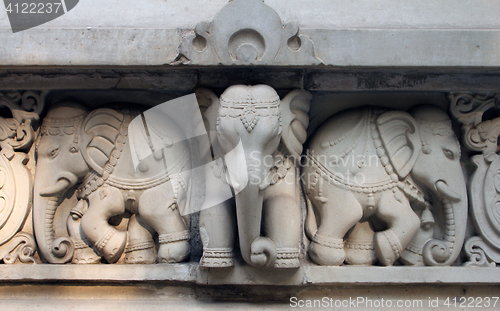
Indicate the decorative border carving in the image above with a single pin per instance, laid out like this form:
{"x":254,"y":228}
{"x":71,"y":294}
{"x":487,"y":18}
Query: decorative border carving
{"x":481,"y":134}
{"x":259,"y":38}
{"x":17,"y":135}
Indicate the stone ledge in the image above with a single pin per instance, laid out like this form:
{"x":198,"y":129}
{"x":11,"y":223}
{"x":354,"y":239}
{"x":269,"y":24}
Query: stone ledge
{"x":400,"y":275}
{"x":424,"y":48}
{"x":186,"y":79}
{"x":99,"y":273}
{"x":243,"y":275}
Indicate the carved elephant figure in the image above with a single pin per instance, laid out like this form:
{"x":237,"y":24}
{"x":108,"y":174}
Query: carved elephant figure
{"x":254,"y":136}
{"x":92,"y":150}
{"x":372,"y":164}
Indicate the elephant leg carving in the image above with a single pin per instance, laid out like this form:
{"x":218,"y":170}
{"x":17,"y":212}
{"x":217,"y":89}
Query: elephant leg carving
{"x":413,"y":254}
{"x":359,"y":245}
{"x":84,"y":253}
{"x":103,"y":204}
{"x":217,"y":227}
{"x":174,"y":247}
{"x":339,"y":213}
{"x":395,"y":210}
{"x":281,"y":199}
{"x":141,"y":247}
{"x":158,"y":208}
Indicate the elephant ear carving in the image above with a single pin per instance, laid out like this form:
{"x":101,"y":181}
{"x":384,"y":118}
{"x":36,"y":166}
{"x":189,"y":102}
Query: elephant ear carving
{"x":295,"y":120}
{"x":209,"y":107}
{"x":400,"y":136}
{"x":99,"y":131}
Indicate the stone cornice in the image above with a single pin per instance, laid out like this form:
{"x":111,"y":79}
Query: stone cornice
{"x":306,"y":275}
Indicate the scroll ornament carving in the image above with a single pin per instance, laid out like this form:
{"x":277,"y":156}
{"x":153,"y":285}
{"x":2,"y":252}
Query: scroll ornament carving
{"x":247,"y":32}
{"x":481,"y":128}
{"x":257,"y":140}
{"x":17,"y":134}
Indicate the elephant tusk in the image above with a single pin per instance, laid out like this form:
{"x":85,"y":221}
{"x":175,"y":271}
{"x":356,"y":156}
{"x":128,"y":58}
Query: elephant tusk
{"x":61,"y":185}
{"x":446,"y":191}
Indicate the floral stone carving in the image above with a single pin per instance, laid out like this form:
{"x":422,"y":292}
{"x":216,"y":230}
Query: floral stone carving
{"x":397,"y":172}
{"x":16,"y":137}
{"x":256,"y":37}
{"x":480,"y":134}
{"x":92,"y":150}
{"x":256,"y":139}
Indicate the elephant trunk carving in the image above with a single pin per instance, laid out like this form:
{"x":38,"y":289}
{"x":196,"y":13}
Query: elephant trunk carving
{"x":53,"y":250}
{"x":60,"y":186}
{"x":448,"y":191}
{"x":444,"y":252}
{"x":256,"y":137}
{"x":256,"y":250}
{"x":50,"y":184}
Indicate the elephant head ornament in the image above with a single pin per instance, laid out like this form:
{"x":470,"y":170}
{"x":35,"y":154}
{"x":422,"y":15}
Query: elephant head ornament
{"x":91,"y":150}
{"x":254,"y":135}
{"x":387,"y":167}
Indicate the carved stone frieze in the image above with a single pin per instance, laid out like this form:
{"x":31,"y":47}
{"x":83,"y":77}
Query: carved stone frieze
{"x":257,"y":37}
{"x":381,"y":186}
{"x":478,"y":114}
{"x":17,"y":134}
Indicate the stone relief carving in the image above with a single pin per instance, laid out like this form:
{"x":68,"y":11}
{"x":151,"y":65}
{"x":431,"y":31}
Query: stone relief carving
{"x":481,"y":130}
{"x":16,"y":138}
{"x":256,"y":37}
{"x":398,"y":173}
{"x":256,"y":139}
{"x":92,"y":150}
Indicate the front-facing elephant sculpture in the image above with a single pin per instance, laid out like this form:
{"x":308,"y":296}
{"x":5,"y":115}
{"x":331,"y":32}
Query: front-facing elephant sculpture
{"x":378,"y":180}
{"x":91,"y":150}
{"x":257,"y":138}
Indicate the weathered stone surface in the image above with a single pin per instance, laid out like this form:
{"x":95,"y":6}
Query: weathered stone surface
{"x":55,"y":79}
{"x":135,"y":33}
{"x":81,"y":47}
{"x":408,"y":79}
{"x":395,"y":275}
{"x":403,"y":47}
{"x":157,"y":296}
{"x":312,"y":79}
{"x":335,"y":14}
{"x":247,"y":275}
{"x":190,"y":273}
{"x":100,"y":273}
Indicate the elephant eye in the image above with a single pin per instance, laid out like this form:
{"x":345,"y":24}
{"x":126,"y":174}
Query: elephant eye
{"x":54,"y":153}
{"x":449,"y":154}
